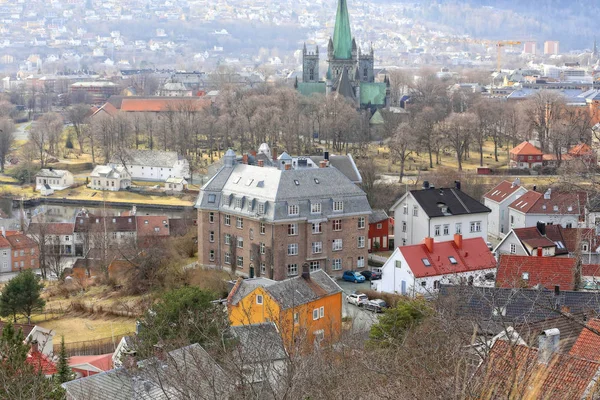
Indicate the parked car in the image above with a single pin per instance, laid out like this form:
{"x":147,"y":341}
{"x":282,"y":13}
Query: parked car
{"x":371,"y":275}
{"x":376,"y":305}
{"x":352,"y":276}
{"x":358,"y":299}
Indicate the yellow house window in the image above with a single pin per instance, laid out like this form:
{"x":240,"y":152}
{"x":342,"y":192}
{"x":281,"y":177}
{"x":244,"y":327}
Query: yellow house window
{"x":259,"y":299}
{"x":315,"y":314}
{"x":296,"y":318}
{"x":321,"y":312}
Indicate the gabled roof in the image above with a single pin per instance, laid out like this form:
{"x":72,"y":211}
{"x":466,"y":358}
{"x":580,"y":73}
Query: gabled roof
{"x":378,"y":216}
{"x":579,"y":150}
{"x":92,"y":223}
{"x":515,"y":369}
{"x":502,"y":191}
{"x":553,"y":237}
{"x":258,"y":343}
{"x":147,"y":225}
{"x":526,"y":201}
{"x":101,"y":362}
{"x":526,"y":149}
{"x":456,"y":201}
{"x":51,"y":228}
{"x":20,"y":241}
{"x":563,"y":203}
{"x":343,"y":163}
{"x":51,"y":173}
{"x":574,"y":237}
{"x":288,"y":293}
{"x":588,"y":343}
{"x":473,"y":255}
{"x":546,"y":271}
{"x":161,"y":104}
{"x":41,"y":363}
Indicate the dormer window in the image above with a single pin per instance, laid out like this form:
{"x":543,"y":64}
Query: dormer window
{"x":525,"y":276}
{"x":555,"y":208}
{"x":338,"y":206}
{"x":315,"y":208}
{"x":212,"y":198}
{"x":238,"y":202}
{"x":293,"y":209}
{"x":261,"y":208}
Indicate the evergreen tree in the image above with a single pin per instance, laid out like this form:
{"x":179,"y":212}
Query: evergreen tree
{"x":395,"y":322}
{"x":64,"y":373}
{"x":21,"y":295}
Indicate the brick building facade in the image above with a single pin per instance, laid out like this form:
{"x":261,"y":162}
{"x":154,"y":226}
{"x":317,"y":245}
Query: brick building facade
{"x":269,"y":221}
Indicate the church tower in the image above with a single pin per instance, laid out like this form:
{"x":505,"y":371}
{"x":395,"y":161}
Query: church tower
{"x":310,"y":65}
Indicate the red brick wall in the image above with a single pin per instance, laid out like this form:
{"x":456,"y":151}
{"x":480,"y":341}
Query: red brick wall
{"x":27,"y":258}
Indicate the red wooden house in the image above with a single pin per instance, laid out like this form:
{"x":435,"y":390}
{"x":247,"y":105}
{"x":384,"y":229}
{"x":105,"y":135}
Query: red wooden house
{"x":379,"y":230}
{"x":526,"y":156}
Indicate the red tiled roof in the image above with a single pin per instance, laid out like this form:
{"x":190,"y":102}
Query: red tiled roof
{"x":3,"y":242}
{"x":526,"y":149}
{"x":473,"y":256}
{"x":547,"y":271}
{"x":533,"y":238}
{"x":515,"y":369}
{"x":52,"y":228}
{"x":590,"y":270}
{"x":525,"y":202}
{"x":20,"y":241}
{"x":147,"y":225}
{"x":501,"y":191}
{"x":41,"y":362}
{"x":163,"y":104}
{"x":94,"y":223}
{"x":26,"y":329}
{"x":552,"y":157}
{"x":102,"y":362}
{"x":581,"y":149}
{"x":587,"y":345}
{"x":574,"y":236}
{"x":565,"y":203}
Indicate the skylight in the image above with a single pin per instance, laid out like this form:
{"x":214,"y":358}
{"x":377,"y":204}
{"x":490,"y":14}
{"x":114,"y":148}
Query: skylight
{"x":297,"y":182}
{"x":426,"y":262}
{"x":249,"y":182}
{"x":559,"y":245}
{"x":316,"y":181}
{"x":452,"y":260}
{"x":237,"y":179}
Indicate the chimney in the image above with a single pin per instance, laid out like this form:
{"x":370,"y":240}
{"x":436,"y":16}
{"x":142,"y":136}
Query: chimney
{"x":534,"y":188}
{"x":261,"y":163}
{"x":548,"y":343}
{"x":457,"y":185}
{"x":3,"y":231}
{"x":429,"y":244}
{"x":34,"y":346}
{"x":326,"y":155}
{"x":322,"y":164}
{"x":557,"y":290}
{"x":305,"y":271}
{"x":458,"y":240}
{"x":245,"y":159}
{"x":425,"y":185}
{"x":274,"y":152}
{"x":547,"y":194}
{"x":129,"y":360}
{"x":288,"y":167}
{"x":541,"y":227}
{"x":253,"y":152}
{"x":539,"y":251}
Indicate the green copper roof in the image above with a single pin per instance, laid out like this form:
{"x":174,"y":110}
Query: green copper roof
{"x":377,"y":119}
{"x":342,"y":38}
{"x":308,"y":88}
{"x":373,"y":93}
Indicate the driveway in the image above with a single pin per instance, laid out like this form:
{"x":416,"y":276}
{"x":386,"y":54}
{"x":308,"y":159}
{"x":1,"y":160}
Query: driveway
{"x":21,"y":133}
{"x":362,"y":319}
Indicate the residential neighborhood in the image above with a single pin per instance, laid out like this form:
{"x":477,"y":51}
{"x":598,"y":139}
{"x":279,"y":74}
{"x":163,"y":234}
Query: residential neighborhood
{"x":277,"y":200}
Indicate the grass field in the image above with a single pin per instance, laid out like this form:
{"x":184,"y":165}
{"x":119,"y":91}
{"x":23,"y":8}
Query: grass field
{"x":77,"y":329}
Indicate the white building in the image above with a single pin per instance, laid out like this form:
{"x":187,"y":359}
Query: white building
{"x":55,"y":179}
{"x":497,"y":200}
{"x":565,"y":209}
{"x":420,"y":269}
{"x":438,"y":213}
{"x":175,"y":184}
{"x":106,"y":177}
{"x":152,"y":165}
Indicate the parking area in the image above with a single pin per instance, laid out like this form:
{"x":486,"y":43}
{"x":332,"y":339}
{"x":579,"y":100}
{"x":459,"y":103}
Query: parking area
{"x":362,"y":319}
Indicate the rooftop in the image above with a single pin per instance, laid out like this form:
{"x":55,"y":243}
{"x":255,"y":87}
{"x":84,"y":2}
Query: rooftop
{"x":502,"y":191}
{"x":526,"y":271}
{"x":447,"y":201}
{"x":526,"y":148}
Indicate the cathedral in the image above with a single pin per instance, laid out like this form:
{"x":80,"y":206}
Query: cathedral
{"x":350,"y":70}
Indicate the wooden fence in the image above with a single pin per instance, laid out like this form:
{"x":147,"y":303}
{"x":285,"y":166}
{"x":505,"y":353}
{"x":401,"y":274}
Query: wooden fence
{"x":91,"y":347}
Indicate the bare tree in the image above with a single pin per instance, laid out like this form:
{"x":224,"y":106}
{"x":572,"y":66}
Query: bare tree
{"x":457,"y":129}
{"x":402,"y":145}
{"x":7,"y":139}
{"x":78,"y":114}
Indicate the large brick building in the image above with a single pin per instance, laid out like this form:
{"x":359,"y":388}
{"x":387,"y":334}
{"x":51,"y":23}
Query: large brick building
{"x":269,"y":221}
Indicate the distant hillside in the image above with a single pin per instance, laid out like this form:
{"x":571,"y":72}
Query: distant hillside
{"x":573,"y":23}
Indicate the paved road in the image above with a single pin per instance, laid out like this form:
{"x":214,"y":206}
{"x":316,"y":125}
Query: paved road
{"x":362,"y":319}
{"x":21,"y":133}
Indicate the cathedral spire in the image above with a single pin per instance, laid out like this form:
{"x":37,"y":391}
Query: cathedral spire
{"x":342,"y":37}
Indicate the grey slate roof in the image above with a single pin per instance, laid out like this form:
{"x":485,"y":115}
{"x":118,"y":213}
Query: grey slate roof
{"x":378,"y":216}
{"x":344,"y":163}
{"x":291,"y":292}
{"x":513,"y":306}
{"x":276,"y":189}
{"x":189,"y":370}
{"x":48,"y":173}
{"x":259,"y":342}
{"x":150,"y":158}
{"x":458,"y":202}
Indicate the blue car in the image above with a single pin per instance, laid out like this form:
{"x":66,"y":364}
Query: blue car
{"x":352,"y":276}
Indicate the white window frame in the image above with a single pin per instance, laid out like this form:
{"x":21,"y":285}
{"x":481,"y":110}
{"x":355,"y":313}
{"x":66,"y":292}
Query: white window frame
{"x":360,"y":262}
{"x":321,"y":312}
{"x":318,"y":226}
{"x":458,"y":228}
{"x":240,"y":242}
{"x":513,"y":248}
{"x":315,"y":314}
{"x":293,"y":209}
{"x":227,"y":219}
{"x":239,"y":222}
{"x":436,"y":230}
{"x":336,"y":225}
{"x":240,"y":262}
{"x":259,"y":299}
{"x":314,"y":266}
{"x":293,"y":229}
{"x":292,"y":269}
{"x":227,"y":259}
{"x":475,"y":226}
{"x":315,"y":208}
{"x":263,"y":228}
{"x":292,"y":249}
{"x":446,"y":229}
{"x":227,"y":238}
{"x":211,"y":236}
{"x":211,"y":217}
{"x":361,"y":242}
{"x":336,"y":264}
{"x":337,"y":245}
{"x":317,"y":247}
{"x":338,"y":206}
{"x":361,"y":222}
